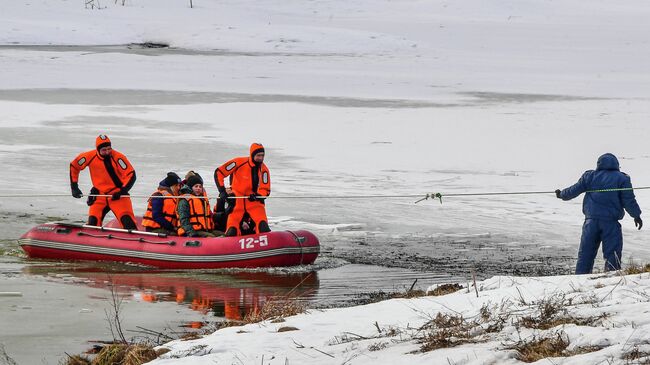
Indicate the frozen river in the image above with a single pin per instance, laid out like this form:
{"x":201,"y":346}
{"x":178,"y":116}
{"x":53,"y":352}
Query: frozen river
{"x":383,"y":108}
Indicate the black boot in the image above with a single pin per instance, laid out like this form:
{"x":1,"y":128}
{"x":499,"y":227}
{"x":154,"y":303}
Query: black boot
{"x":92,"y":221}
{"x":231,"y":232}
{"x":264,"y":227}
{"x":128,"y":223}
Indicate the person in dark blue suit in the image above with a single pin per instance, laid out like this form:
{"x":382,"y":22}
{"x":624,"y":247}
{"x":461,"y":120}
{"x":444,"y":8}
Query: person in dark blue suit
{"x":602,"y":212}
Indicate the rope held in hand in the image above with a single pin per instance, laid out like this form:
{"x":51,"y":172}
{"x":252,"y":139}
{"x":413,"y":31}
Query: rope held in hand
{"x":438,"y":196}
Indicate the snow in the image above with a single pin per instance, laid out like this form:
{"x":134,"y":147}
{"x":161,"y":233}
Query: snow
{"x":352,"y":97}
{"x":346,"y":335}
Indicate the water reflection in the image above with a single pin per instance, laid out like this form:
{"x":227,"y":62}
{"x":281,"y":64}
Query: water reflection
{"x":229,"y":295}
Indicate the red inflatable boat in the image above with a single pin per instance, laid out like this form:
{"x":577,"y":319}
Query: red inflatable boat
{"x":65,"y":241}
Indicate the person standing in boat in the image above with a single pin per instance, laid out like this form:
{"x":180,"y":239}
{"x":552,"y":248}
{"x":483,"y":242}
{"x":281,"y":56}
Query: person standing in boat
{"x":222,"y":210}
{"x":111,"y":174}
{"x":603,"y":210}
{"x":249,"y":177}
{"x":194,"y":214}
{"x":161,"y":216}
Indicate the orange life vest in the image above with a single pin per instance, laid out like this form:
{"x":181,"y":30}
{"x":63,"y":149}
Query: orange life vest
{"x":168,"y":211}
{"x":106,"y":180}
{"x":242,"y":170}
{"x":200,"y":213}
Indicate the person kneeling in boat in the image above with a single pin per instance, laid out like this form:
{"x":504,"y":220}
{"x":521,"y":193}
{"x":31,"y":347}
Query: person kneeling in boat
{"x":250,"y":178}
{"x":111,"y":174}
{"x":161,"y":208}
{"x":194,"y":214}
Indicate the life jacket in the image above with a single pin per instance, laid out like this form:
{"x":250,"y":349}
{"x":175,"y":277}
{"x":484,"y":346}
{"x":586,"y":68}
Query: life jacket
{"x":168,"y":211}
{"x":246,"y":177}
{"x":200,"y":213}
{"x":108,"y":174}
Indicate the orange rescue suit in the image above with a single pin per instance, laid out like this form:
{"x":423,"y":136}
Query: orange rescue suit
{"x":246,"y":178}
{"x":109,"y":175}
{"x":168,"y":211}
{"x":200,"y":213}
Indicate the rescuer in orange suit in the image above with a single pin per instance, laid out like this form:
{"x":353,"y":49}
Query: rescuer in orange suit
{"x":111,"y":173}
{"x":249,"y":177}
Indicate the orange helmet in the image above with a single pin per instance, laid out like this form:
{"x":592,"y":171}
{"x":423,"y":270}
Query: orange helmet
{"x":102,"y":141}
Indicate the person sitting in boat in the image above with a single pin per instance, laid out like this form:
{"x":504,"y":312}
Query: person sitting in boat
{"x":111,"y":174}
{"x":187,"y":176}
{"x":223,"y":208}
{"x":250,"y":178}
{"x":160,"y":216}
{"x":194,"y":214}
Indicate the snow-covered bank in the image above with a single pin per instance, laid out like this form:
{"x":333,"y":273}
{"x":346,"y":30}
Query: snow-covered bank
{"x":604,"y":318}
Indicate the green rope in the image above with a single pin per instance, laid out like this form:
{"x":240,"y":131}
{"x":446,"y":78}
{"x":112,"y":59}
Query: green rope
{"x":439,"y":195}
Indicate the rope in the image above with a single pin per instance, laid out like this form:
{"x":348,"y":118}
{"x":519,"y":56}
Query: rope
{"x":230,"y":197}
{"x":438,"y":196}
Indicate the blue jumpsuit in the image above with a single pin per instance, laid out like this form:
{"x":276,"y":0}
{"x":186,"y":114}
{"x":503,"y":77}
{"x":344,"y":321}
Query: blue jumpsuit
{"x":602,"y":212}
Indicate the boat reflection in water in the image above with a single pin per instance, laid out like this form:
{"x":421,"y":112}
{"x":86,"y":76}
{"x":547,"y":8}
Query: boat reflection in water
{"x":227,"y":294}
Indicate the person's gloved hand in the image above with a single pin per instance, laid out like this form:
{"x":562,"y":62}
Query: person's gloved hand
{"x":252,"y":197}
{"x":91,"y":196}
{"x":638,"y":222}
{"x":223,"y":195}
{"x":76,"y":192}
{"x":557,"y":193}
{"x":119,"y":194}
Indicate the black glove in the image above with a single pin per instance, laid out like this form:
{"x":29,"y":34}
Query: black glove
{"x":119,"y":194}
{"x":223,"y":195}
{"x":557,"y":193}
{"x":91,"y":198}
{"x":76,"y":192}
{"x":252,"y":197}
{"x":638,"y":222}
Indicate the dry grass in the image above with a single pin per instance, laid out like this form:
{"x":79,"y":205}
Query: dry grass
{"x":553,"y":312}
{"x":275,"y":309}
{"x":287,"y":329}
{"x":139,"y":354}
{"x":118,"y":354}
{"x":539,"y":348}
{"x":445,"y":289}
{"x":495,"y":318}
{"x":161,"y":351}
{"x":189,"y":336}
{"x":111,"y":355}
{"x":583,"y":350}
{"x":411,"y":293}
{"x":551,"y":345}
{"x":636,"y":269}
{"x":637,"y":356}
{"x":446,"y":331}
{"x":544,"y":324}
{"x":377,"y":346}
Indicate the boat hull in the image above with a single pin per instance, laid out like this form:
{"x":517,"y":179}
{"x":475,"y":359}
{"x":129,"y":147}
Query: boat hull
{"x":59,"y":241}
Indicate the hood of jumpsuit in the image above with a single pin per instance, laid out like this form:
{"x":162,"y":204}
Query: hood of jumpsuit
{"x":255,"y":149}
{"x":607,"y":162}
{"x":101,"y":141}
